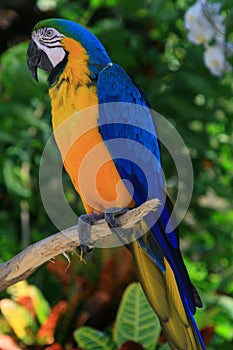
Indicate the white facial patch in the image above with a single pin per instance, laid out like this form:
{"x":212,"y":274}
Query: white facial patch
{"x":49,"y":40}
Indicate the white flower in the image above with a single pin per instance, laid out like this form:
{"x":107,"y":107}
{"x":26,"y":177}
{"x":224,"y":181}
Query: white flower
{"x":211,"y":12}
{"x":205,"y":24}
{"x":215,"y":61}
{"x":201,"y":33}
{"x":203,"y":21}
{"x":192,"y":14}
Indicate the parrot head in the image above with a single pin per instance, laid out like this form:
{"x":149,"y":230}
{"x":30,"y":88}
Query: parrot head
{"x":47,"y":49}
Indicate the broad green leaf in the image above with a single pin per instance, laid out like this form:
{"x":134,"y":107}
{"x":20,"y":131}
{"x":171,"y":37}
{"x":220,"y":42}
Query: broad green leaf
{"x":41,"y":306}
{"x":136,"y":320}
{"x":91,"y":339}
{"x":20,"y":320}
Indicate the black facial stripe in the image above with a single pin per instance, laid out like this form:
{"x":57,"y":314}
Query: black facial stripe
{"x":48,"y":41}
{"x":49,"y":45}
{"x":53,"y":46}
{"x":55,"y":37}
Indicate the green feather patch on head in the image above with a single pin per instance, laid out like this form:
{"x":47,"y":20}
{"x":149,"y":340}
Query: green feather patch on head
{"x":51,"y":22}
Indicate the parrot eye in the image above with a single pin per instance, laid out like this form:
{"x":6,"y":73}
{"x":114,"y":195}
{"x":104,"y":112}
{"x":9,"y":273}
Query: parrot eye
{"x":49,"y":33}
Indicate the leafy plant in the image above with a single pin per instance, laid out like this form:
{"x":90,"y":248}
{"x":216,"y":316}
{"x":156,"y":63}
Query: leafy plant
{"x":92,"y":339}
{"x":20,"y":320}
{"x":135,"y":321}
{"x":28,"y":316}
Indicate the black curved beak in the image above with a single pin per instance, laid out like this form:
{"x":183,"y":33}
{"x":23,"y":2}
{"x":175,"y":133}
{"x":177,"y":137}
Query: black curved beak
{"x":37,"y":58}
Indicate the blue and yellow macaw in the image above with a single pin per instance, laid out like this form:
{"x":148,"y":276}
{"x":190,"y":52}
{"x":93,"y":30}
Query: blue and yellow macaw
{"x":81,"y":75}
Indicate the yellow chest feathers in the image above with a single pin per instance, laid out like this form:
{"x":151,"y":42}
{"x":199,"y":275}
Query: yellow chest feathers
{"x":76,"y":131}
{"x":73,"y":91}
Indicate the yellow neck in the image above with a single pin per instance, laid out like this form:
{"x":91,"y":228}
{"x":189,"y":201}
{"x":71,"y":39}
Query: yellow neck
{"x":72,"y":92}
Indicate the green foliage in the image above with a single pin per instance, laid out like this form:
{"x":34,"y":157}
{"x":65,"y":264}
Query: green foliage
{"x":20,"y":319}
{"x":24,"y":129}
{"x":219,"y":312}
{"x":136,"y":320}
{"x":25,"y":126}
{"x":91,"y":339}
{"x":40,"y":304}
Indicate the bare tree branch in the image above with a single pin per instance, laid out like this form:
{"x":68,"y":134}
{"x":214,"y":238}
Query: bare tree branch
{"x":26,"y":262}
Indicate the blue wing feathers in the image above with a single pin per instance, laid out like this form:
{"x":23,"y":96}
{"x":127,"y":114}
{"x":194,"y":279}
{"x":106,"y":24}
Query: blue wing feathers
{"x":123,"y":121}
{"x":140,"y":152}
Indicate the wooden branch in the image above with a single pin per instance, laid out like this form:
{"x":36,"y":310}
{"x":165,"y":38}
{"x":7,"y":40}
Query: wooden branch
{"x":26,"y":262}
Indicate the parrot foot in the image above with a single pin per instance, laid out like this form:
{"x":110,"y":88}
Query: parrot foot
{"x":84,"y":222}
{"x":110,"y":215}
{"x":84,"y":225}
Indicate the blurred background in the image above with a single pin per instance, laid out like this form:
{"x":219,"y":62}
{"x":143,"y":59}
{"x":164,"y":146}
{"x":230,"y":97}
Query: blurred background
{"x":149,"y":40}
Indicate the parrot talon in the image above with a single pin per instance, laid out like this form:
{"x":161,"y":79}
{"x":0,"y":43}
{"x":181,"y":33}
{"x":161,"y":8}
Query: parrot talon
{"x":110,"y":215}
{"x":84,"y":222}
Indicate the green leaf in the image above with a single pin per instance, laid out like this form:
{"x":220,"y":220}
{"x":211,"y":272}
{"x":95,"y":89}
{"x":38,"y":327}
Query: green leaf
{"x":136,"y":320}
{"x":14,"y":179}
{"x":40,"y":304}
{"x":91,"y":339}
{"x":15,"y":76}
